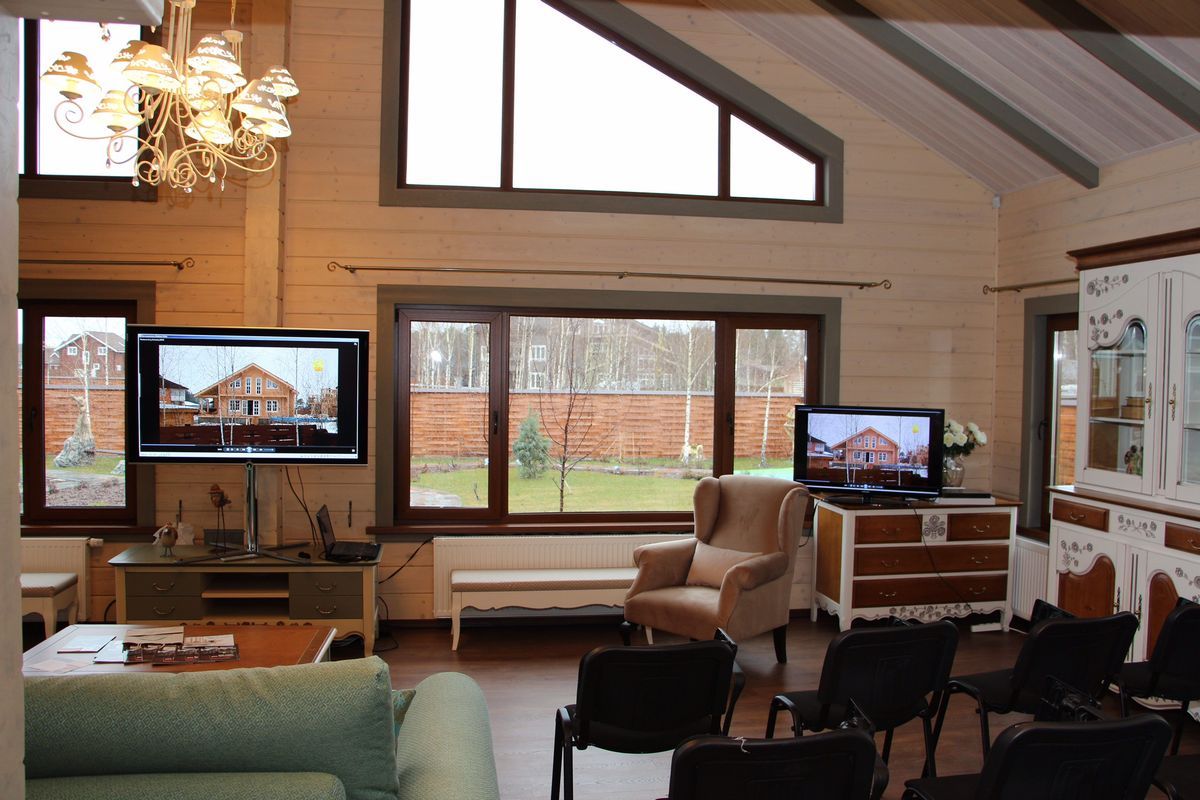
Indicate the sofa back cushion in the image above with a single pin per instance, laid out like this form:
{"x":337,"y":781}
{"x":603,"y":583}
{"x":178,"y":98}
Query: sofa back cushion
{"x":332,"y":717}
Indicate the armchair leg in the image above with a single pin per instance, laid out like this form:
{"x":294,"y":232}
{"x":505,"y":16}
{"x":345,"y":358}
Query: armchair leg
{"x":649,"y":635}
{"x":626,"y":631}
{"x":780,"y":635}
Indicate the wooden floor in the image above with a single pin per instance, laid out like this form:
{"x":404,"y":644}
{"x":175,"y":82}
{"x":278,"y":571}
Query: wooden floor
{"x":527,"y":672}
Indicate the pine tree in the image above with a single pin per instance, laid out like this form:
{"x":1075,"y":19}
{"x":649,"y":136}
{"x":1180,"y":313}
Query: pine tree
{"x":531,"y":448}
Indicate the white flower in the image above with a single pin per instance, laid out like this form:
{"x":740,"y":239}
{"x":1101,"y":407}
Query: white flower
{"x":960,"y":439}
{"x":981,"y":437}
{"x":972,"y":427}
{"x":948,"y":439}
{"x":955,"y":426}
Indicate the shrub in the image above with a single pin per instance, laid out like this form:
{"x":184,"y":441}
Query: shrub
{"x":532,"y":450}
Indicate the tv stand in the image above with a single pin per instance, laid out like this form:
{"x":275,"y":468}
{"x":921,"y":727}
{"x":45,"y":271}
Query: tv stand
{"x":252,"y":549}
{"x":868,"y":500}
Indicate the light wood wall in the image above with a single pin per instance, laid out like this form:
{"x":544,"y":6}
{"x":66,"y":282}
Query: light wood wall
{"x":1154,"y":193}
{"x":910,"y":217}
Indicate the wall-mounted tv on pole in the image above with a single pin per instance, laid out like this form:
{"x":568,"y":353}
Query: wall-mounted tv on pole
{"x":863,"y":451}
{"x":247,"y":395}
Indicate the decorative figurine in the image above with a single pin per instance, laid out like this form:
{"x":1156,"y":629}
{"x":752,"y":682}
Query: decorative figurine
{"x":166,"y":537}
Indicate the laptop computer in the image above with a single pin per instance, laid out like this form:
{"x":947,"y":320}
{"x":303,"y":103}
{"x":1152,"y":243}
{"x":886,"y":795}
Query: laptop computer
{"x":343,"y":551}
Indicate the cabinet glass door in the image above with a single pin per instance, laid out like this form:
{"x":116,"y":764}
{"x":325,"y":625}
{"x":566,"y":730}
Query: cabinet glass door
{"x":1190,"y":407}
{"x":1118,"y":408}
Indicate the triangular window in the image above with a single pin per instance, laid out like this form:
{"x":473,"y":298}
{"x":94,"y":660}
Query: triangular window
{"x":533,"y":104}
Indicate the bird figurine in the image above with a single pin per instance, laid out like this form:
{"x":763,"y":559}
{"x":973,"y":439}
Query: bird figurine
{"x":166,"y":537}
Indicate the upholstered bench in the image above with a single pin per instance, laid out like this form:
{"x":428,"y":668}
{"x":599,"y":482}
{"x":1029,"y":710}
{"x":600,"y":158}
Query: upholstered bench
{"x":487,"y":589}
{"x":46,"y":593}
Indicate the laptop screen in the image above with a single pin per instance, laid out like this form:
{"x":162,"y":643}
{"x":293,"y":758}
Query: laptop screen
{"x":327,"y":537}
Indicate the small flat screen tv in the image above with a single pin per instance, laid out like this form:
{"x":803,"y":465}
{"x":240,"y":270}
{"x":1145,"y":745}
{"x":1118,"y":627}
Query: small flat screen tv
{"x":246,"y":395}
{"x":864,"y":451}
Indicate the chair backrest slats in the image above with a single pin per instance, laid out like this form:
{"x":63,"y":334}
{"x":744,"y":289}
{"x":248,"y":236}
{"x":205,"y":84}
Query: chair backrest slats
{"x":1083,"y":653}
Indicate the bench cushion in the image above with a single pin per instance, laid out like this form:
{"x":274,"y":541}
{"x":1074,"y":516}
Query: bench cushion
{"x":46,"y":584}
{"x":501,"y":580}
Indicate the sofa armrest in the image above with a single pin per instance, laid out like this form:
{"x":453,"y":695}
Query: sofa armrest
{"x":661,"y":564}
{"x":444,"y":748}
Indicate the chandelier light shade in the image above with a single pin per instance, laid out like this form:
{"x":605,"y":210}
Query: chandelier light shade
{"x":193,"y":114}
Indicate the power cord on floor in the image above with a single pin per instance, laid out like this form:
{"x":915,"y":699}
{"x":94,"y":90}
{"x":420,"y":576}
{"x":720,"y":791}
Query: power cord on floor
{"x":385,"y":629}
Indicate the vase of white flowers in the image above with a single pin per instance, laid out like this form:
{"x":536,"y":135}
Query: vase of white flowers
{"x":958,"y":441}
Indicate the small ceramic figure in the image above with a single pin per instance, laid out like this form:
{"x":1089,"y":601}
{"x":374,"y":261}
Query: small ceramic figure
{"x":166,"y":537}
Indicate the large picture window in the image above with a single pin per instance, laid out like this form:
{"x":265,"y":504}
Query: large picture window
{"x":591,"y":415}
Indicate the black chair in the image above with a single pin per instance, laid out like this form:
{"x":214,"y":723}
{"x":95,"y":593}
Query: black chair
{"x":893,"y":674}
{"x":1173,"y":671}
{"x":838,"y":765}
{"x":1084,"y":653}
{"x":645,"y":699}
{"x":1179,"y":777}
{"x":1113,"y":760}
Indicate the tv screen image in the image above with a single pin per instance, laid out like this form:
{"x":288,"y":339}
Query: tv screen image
{"x":248,"y":395}
{"x":866,"y":450}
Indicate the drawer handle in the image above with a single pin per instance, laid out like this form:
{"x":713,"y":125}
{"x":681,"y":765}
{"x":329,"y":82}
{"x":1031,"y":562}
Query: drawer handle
{"x":166,"y":613}
{"x":883,"y":562}
{"x":886,"y":595}
{"x":1192,"y":543}
{"x":328,"y":588}
{"x":975,"y":592}
{"x":325,"y":613}
{"x":1076,"y":516}
{"x":984,"y":528}
{"x":166,"y":588}
{"x":978,"y":560}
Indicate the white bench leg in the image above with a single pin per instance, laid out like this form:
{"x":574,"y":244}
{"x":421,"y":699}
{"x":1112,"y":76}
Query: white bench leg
{"x":455,"y":614}
{"x":49,"y":616}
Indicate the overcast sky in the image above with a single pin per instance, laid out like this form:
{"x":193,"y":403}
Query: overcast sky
{"x":833,"y":428}
{"x":197,"y":368}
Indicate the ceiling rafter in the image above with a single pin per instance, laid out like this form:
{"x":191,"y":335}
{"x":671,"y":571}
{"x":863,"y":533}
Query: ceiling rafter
{"x":968,"y":91}
{"x":1124,"y":56}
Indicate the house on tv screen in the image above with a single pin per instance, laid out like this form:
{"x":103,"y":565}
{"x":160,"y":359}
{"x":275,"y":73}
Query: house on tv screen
{"x":251,"y":394}
{"x":868,"y":446}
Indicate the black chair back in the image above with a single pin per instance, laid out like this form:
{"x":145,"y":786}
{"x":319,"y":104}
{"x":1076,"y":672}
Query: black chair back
{"x":1177,"y":650}
{"x":1083,"y":653}
{"x":1075,"y":760}
{"x":887,"y":671}
{"x":838,"y":765}
{"x":649,"y":699}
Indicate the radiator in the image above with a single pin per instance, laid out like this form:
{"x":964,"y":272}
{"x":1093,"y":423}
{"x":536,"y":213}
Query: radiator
{"x":61,"y":554}
{"x":1029,"y":575}
{"x":530,"y":552}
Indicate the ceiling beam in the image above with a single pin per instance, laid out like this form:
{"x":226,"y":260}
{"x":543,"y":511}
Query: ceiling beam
{"x":968,"y":91}
{"x":1124,"y":56}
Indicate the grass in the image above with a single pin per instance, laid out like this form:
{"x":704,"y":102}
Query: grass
{"x":103,"y":465}
{"x":586,"y":491}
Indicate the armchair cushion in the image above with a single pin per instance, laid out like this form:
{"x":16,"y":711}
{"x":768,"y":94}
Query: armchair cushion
{"x":709,"y":564}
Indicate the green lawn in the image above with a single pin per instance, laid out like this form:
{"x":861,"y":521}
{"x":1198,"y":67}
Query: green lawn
{"x":103,"y":465}
{"x":586,"y":491}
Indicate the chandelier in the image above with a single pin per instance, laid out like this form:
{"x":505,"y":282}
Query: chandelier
{"x":187,"y":116}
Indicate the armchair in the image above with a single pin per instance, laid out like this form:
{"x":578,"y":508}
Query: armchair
{"x":736,"y":574}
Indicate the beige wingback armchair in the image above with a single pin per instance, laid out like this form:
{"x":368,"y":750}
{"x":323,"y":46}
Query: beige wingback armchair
{"x":736,"y":574}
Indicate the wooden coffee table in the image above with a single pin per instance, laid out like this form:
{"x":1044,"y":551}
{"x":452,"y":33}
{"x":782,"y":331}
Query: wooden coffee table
{"x":258,"y":646}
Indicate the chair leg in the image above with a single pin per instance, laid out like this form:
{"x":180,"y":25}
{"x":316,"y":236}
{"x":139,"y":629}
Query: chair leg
{"x":780,"y":635}
{"x":887,"y":744}
{"x":984,"y":732}
{"x":737,"y":685}
{"x":1183,"y":715}
{"x":561,"y":772}
{"x":649,"y":635}
{"x":1124,"y":695}
{"x":556,"y":770}
{"x":626,"y":632}
{"x":942,"y":705}
{"x":930,"y":770}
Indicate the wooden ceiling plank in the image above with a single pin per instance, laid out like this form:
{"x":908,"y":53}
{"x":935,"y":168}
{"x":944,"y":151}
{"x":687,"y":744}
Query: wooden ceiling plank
{"x":1124,"y":56}
{"x":952,"y":80}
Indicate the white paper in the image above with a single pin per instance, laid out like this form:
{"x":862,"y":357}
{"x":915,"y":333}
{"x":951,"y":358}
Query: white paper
{"x":86,"y":644}
{"x":170,"y":634}
{"x":53,"y":665}
{"x":113,"y":653}
{"x":221,"y":640}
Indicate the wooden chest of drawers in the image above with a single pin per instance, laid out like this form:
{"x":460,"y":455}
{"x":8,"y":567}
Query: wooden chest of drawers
{"x":924,"y":562}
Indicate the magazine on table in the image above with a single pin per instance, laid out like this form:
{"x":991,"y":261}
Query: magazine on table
{"x":156,"y":653}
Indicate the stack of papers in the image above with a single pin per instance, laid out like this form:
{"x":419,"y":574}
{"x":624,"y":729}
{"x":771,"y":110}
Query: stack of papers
{"x":86,"y":644}
{"x":170,"y":634}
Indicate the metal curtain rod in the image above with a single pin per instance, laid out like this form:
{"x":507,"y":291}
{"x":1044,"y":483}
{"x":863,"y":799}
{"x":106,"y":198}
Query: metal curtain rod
{"x":186,"y":263}
{"x":618,"y":274}
{"x":1016,"y":287}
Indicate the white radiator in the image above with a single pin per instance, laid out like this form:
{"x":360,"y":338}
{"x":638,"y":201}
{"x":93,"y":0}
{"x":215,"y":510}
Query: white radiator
{"x":61,"y":554}
{"x":530,"y":552}
{"x":1029,"y":575}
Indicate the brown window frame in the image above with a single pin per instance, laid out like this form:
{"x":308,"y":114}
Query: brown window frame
{"x":496,"y":513}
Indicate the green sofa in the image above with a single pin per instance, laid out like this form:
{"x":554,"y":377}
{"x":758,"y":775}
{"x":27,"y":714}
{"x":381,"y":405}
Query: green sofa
{"x":329,"y":731}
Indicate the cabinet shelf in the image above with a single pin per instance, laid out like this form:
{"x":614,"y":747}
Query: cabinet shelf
{"x":1141,"y":423}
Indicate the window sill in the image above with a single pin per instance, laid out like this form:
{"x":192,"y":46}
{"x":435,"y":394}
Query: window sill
{"x":425,"y":530}
{"x":109,"y":533}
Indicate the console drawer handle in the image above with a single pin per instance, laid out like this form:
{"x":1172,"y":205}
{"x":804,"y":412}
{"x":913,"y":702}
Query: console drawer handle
{"x":1076,"y":516}
{"x":1192,"y":543}
{"x":984,"y":528}
{"x":166,"y":613}
{"x":325,"y":613}
{"x":978,"y":560}
{"x":886,"y":595}
{"x":166,"y":588}
{"x":328,"y":588}
{"x":883,"y":562}
{"x":975,"y":592}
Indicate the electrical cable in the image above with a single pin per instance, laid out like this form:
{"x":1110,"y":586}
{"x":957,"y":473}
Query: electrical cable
{"x":312,"y":529}
{"x":407,"y":561}
{"x":385,"y":629}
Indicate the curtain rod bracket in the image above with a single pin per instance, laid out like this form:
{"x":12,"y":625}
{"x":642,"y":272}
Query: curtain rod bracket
{"x":620,"y":275}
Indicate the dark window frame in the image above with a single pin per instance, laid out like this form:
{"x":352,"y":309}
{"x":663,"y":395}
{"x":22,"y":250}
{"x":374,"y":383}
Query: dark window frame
{"x":726,"y":326}
{"x":31,"y":184}
{"x":734,"y":96}
{"x":54,"y":298}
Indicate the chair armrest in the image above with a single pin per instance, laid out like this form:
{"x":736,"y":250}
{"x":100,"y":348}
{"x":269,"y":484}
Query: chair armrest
{"x":661,"y":564}
{"x":754,"y":572}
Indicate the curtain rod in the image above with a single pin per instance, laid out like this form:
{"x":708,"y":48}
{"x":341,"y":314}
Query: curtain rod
{"x":186,"y":263}
{"x":1016,"y":287}
{"x":618,"y":274}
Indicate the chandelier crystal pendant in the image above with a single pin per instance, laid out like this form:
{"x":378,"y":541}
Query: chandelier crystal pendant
{"x":193,"y":116}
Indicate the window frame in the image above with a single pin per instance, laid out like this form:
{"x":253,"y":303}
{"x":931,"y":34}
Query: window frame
{"x":31,"y":184}
{"x":56,"y":298}
{"x":642,"y":39}
{"x":496,"y":512}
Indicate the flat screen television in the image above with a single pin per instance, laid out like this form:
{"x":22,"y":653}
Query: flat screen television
{"x":246,"y":395}
{"x":863,"y":451}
